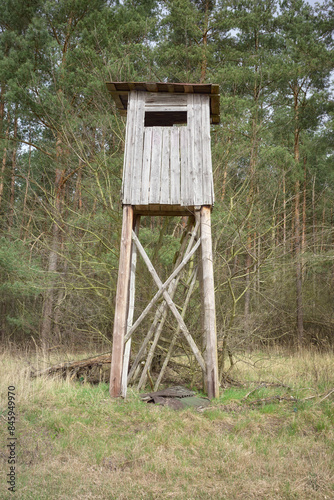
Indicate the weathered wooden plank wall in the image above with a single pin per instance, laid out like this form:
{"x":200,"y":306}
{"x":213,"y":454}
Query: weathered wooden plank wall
{"x":175,"y":179}
{"x":168,"y":165}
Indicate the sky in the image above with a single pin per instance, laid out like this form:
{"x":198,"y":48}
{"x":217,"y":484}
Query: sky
{"x":313,"y":2}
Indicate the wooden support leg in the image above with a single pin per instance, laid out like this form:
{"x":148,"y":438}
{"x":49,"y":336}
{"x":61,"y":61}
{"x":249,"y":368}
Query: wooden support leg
{"x":209,"y":310}
{"x":127,"y":348}
{"x":122,"y":299}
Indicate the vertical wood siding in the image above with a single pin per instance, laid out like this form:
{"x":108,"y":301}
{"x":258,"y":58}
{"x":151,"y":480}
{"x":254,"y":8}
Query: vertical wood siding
{"x":168,"y":165}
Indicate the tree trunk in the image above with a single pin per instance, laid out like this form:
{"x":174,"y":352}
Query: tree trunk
{"x":250,"y":201}
{"x":314,"y":220}
{"x":46,"y":328}
{"x":78,"y":191}
{"x":299,"y":277}
{"x":304,"y":211}
{"x":49,"y":296}
{"x":12,"y":180}
{"x":23,"y":231}
{"x":204,"y":62}
{"x":4,"y":161}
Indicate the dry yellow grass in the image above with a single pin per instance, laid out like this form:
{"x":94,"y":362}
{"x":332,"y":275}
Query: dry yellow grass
{"x":73,"y":442}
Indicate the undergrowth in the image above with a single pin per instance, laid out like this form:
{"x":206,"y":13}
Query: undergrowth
{"x":268,"y":436}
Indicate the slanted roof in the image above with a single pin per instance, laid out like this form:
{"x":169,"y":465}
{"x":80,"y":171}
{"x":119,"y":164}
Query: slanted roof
{"x":120,"y":93}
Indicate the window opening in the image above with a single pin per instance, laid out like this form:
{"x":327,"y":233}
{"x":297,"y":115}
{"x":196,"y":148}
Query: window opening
{"x":165,"y":118}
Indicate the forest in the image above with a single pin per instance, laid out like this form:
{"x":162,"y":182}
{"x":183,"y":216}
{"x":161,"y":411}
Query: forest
{"x":61,"y":154}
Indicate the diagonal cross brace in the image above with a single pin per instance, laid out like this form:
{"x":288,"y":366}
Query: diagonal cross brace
{"x":160,"y":314}
{"x":162,"y":290}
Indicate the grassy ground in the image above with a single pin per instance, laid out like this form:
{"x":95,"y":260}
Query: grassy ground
{"x":256,"y":441}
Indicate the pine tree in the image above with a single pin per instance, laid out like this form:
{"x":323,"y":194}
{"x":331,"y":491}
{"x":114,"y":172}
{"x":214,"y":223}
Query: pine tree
{"x":305,"y":68}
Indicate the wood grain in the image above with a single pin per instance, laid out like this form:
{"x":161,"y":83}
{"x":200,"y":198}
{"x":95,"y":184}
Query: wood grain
{"x":121,"y":308}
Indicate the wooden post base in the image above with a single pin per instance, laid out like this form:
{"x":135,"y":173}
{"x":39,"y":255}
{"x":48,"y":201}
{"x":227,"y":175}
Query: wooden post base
{"x":127,"y":347}
{"x":122,"y":301}
{"x":211,"y":382}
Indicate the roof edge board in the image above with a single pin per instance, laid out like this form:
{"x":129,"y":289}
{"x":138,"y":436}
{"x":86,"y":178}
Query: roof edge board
{"x":118,"y":89}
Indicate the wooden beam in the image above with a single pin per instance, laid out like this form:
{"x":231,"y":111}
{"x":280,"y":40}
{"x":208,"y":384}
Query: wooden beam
{"x":164,"y":210}
{"x":121,"y":308}
{"x":127,"y":347}
{"x":171,"y":290}
{"x":209,"y":310}
{"x":140,"y":354}
{"x":170,"y":303}
{"x":147,"y":366}
{"x":152,"y":87}
{"x":117,"y":100}
{"x":200,"y":281}
{"x":188,"y":89}
{"x":177,"y":331}
{"x":162,"y":311}
{"x":161,"y":290}
{"x":214,"y":88}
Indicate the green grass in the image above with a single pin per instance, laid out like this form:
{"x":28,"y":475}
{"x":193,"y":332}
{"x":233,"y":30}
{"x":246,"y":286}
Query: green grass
{"x":74,"y":442}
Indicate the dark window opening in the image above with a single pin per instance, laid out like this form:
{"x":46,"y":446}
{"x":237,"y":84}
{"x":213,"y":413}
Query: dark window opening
{"x":165,"y":118}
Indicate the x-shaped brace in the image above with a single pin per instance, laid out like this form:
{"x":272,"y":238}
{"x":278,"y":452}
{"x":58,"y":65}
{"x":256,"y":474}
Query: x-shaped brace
{"x":162,"y":290}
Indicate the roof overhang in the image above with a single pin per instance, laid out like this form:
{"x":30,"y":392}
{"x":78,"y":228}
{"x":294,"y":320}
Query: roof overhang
{"x":120,"y":93}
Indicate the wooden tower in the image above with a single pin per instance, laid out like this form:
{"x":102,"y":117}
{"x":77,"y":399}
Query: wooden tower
{"x":167,"y":171}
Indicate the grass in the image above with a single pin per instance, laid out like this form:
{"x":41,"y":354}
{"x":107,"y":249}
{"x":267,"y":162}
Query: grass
{"x":74,"y":442}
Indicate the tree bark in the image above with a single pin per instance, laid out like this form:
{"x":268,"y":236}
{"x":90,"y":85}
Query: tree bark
{"x":4,"y":161}
{"x":46,"y":327}
{"x":284,"y":212}
{"x":298,"y":253}
{"x":12,"y":178}
{"x":204,"y":62}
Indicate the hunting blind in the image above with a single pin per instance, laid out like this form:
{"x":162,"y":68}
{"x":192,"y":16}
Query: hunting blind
{"x":167,"y":171}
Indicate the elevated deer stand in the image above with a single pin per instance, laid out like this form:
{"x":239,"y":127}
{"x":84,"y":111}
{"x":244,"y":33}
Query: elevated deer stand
{"x":167,"y":172}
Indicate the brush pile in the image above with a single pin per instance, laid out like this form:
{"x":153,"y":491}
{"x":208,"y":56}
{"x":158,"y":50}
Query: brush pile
{"x":93,"y":370}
